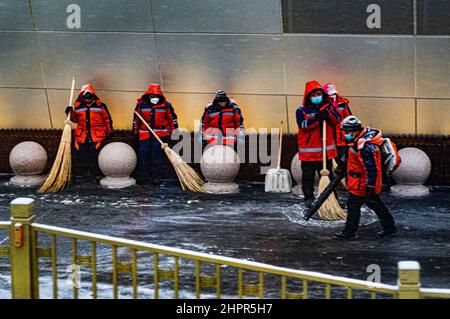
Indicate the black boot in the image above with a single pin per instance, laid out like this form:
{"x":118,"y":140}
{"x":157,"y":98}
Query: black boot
{"x":387,"y":233}
{"x":141,"y":181}
{"x":309,"y":202}
{"x":344,"y":236}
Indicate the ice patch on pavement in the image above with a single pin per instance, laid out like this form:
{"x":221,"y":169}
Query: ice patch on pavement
{"x":296,"y":212}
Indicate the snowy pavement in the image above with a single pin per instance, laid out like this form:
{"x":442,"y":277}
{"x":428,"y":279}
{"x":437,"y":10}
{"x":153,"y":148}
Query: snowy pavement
{"x":252,"y":225}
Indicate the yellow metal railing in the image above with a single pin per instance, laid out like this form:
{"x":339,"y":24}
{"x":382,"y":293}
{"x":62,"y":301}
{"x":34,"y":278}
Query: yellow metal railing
{"x":34,"y":244}
{"x":434,"y":293}
{"x":4,"y":250}
{"x":199,"y":259}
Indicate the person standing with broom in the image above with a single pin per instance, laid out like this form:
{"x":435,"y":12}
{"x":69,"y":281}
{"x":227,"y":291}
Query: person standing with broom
{"x":158,"y":112}
{"x":315,"y":110}
{"x":94,"y":127}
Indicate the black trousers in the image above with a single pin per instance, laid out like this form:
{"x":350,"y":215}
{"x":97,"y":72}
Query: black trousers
{"x":152,"y":160}
{"x":309,"y":169}
{"x":86,"y":158}
{"x":375,"y":203}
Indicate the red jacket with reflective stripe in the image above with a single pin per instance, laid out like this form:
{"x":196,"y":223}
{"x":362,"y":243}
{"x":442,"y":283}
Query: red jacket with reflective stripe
{"x":161,"y":117}
{"x":341,"y":105}
{"x":92,"y":119}
{"x":310,"y":127}
{"x":364,"y":167}
{"x":222,"y":124}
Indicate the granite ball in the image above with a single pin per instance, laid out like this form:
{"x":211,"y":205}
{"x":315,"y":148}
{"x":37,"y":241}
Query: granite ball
{"x":28,"y":158}
{"x":415,"y":167}
{"x":220,"y":163}
{"x":117,"y":161}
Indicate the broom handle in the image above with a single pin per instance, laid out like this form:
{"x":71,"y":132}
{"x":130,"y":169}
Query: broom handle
{"x":148,"y":126}
{"x":324,"y":144}
{"x":72,"y":89}
{"x":279,"y":145}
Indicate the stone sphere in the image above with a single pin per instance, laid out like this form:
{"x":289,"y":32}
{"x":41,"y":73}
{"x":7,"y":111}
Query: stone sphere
{"x":220,"y":164}
{"x":296,"y":170}
{"x":415,"y":167}
{"x":117,"y":160}
{"x":28,"y":158}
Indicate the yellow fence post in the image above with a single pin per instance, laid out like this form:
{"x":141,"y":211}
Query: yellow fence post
{"x":22,"y":216}
{"x":409,"y":280}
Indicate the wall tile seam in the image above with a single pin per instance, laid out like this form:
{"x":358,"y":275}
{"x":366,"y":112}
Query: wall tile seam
{"x":427,"y":36}
{"x":230,"y":93}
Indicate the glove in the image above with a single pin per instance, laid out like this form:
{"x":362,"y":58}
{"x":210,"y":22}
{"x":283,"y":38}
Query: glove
{"x":322,"y":114}
{"x":68,"y":110}
{"x":370,"y":191}
{"x":339,"y":171}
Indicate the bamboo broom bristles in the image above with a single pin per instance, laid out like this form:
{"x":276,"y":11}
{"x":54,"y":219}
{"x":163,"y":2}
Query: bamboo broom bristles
{"x":330,"y":209}
{"x":188,"y":177}
{"x":61,"y":171}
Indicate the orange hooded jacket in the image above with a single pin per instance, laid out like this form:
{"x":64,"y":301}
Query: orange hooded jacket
{"x":93,"y":120}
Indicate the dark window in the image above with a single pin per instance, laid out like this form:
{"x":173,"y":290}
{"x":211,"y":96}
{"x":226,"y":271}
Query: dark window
{"x":346,"y":16}
{"x":433,"y":17}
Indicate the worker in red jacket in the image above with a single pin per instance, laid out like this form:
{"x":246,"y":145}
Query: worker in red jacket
{"x":364,"y":178}
{"x":341,"y":105}
{"x":315,"y":110}
{"x":159,"y":113}
{"x":222,"y":121}
{"x":94,"y":127}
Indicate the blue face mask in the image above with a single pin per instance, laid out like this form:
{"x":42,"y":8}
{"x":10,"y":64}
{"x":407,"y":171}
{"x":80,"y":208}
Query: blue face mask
{"x":349,"y":137}
{"x":316,"y":99}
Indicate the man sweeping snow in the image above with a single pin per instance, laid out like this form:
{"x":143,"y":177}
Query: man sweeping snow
{"x":364,"y":178}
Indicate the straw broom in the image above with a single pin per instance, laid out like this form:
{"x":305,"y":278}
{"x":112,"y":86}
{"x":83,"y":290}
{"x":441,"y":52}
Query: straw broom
{"x":187,"y":176}
{"x":60,"y":174}
{"x":330,"y":209}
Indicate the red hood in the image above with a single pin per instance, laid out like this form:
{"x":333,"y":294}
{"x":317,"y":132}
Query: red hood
{"x":330,"y":86}
{"x":311,"y":86}
{"x":152,"y":89}
{"x":87,"y":88}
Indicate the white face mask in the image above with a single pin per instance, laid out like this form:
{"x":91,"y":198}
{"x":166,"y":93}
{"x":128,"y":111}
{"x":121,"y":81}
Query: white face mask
{"x":154,"y":100}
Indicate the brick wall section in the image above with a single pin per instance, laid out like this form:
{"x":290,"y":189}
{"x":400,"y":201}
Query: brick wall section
{"x":437,"y":148}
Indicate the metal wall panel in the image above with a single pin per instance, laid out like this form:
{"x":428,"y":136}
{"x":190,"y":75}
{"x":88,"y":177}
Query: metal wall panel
{"x":263,"y":111}
{"x":359,"y":66}
{"x":433,"y":117}
{"x":433,"y":67}
{"x":258,"y":111}
{"x":189,"y":108}
{"x":111,"y":61}
{"x":386,"y":114}
{"x":350,"y":16}
{"x":120,"y":105}
{"x":23,"y":108}
{"x":99,"y":15}
{"x":19,"y":61}
{"x":15,"y":15}
{"x":206,"y":63}
{"x":235,"y":16}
